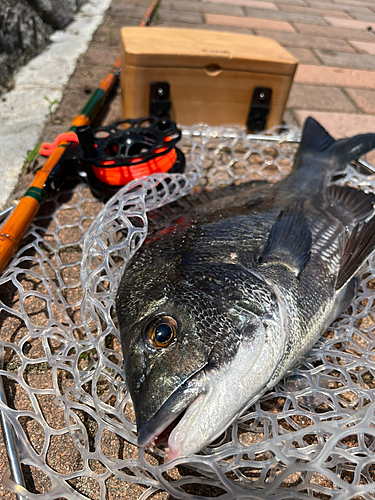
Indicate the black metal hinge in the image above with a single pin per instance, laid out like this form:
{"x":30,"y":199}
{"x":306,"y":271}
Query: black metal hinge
{"x":160,"y":103}
{"x":259,"y":108}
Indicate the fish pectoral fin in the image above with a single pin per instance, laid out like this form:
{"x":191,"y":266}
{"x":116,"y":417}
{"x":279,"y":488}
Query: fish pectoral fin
{"x":356,"y":249}
{"x":360,"y":204}
{"x":289,"y":241}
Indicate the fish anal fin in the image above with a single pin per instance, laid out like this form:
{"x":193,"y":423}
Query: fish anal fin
{"x":346,"y":295}
{"x":289,"y":241}
{"x":360,"y":204}
{"x":356,"y":249}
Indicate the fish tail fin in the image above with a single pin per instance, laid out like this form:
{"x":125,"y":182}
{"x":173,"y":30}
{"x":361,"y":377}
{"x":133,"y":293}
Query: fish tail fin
{"x":317,"y":142}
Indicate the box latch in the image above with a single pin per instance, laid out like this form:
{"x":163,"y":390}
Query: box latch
{"x":259,"y":108}
{"x":160,"y":104}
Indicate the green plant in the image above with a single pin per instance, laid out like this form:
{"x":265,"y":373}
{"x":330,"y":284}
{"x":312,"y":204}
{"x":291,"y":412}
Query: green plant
{"x":32,"y":155}
{"x":86,"y":354}
{"x":51,"y":104}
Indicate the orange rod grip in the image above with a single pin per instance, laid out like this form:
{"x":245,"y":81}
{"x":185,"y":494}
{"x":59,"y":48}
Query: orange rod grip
{"x":42,"y":174}
{"x":80,"y":120}
{"x":15,"y":228}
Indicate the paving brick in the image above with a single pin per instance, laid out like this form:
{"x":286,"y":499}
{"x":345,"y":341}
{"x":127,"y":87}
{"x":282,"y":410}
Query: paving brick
{"x":325,"y":5}
{"x":306,"y":41}
{"x":368,"y":48}
{"x":289,"y":118}
{"x":365,"y":99}
{"x":331,"y":32}
{"x":356,"y":3}
{"x":345,"y":60}
{"x":135,"y":3}
{"x":125,"y":11}
{"x":218,"y":27}
{"x":336,"y":77}
{"x":303,"y":55}
{"x":187,"y":6}
{"x":89,"y":77}
{"x":345,"y":24}
{"x":142,"y":3}
{"x":311,"y":11}
{"x":285,"y":16}
{"x":292,"y":2}
{"x":319,"y":98}
{"x":248,"y":22}
{"x":362,"y":14}
{"x":195,"y":26}
{"x":358,"y":10}
{"x":109,"y":32}
{"x":94,"y":56}
{"x":246,"y":3}
{"x":173,"y":16}
{"x":340,"y":124}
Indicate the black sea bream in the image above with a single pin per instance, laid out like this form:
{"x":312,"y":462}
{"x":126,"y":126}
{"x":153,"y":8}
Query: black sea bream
{"x":226,"y":296}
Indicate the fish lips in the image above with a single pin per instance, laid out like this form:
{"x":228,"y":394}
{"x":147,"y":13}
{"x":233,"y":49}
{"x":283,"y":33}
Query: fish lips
{"x":177,"y":402}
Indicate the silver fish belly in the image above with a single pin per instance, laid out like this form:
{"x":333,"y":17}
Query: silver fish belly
{"x":226,"y":296}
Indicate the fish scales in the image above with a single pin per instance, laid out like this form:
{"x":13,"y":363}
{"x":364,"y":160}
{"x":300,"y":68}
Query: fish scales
{"x":227,"y":295}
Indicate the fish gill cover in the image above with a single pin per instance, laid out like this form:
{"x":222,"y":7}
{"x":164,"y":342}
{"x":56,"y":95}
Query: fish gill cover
{"x":312,"y":436}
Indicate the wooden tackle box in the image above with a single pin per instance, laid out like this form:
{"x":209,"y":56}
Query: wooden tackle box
{"x":211,"y":77}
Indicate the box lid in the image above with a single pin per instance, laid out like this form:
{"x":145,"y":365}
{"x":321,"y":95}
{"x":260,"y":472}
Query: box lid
{"x":175,"y":47}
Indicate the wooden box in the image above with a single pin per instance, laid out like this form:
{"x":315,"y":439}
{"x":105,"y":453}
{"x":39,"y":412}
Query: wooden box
{"x":214,"y":77}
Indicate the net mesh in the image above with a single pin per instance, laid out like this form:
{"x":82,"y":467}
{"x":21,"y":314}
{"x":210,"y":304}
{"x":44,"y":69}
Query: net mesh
{"x":312,"y":436}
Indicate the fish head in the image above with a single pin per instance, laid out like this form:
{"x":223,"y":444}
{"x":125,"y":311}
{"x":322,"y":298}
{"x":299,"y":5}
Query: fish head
{"x":190,"y":338}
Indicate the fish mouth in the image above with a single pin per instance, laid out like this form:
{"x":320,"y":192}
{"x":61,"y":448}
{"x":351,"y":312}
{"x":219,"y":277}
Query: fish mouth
{"x":147,"y":439}
{"x":160,"y":426}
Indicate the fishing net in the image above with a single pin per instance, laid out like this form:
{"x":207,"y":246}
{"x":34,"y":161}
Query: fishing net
{"x":312,"y":436}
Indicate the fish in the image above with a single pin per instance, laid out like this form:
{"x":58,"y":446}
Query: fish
{"x":227,"y":294}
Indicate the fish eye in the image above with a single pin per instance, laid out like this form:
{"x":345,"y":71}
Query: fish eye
{"x":162,"y":332}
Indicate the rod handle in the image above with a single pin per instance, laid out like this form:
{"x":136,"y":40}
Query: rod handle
{"x":15,"y":228}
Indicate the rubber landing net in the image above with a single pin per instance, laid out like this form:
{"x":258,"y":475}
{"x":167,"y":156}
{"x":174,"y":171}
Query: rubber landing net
{"x":313,"y":436}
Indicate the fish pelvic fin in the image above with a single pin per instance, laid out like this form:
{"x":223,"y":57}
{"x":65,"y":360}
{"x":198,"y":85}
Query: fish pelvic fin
{"x":318,"y":142}
{"x":356,"y":249}
{"x":289,"y":241}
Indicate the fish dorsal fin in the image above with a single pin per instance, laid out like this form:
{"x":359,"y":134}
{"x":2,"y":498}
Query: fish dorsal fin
{"x":315,"y":138}
{"x":318,"y":142}
{"x":360,"y":204}
{"x":356,"y":249}
{"x":289,"y":241}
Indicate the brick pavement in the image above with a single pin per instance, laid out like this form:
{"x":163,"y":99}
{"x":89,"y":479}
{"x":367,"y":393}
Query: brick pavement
{"x":334,"y":41}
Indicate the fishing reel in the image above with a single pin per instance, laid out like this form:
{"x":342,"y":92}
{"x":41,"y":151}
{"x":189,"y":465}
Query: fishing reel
{"x":110,"y":157}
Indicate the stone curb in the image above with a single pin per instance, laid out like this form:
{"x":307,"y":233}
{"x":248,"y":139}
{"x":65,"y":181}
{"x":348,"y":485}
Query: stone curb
{"x":24,"y":111}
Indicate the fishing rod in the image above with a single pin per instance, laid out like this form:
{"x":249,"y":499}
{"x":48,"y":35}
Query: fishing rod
{"x":19,"y":221}
{"x":15,"y":227}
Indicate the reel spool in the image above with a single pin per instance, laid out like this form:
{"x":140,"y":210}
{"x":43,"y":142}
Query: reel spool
{"x":126,"y":150}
